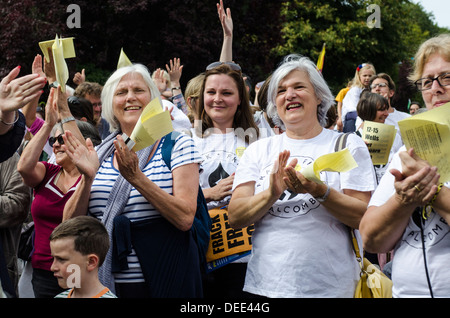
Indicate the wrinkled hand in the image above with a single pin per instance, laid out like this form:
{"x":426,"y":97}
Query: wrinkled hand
{"x":79,"y":78}
{"x":225,"y":19}
{"x":297,"y":183}
{"x":127,"y":160}
{"x":85,"y":158}
{"x":407,"y":187}
{"x":17,"y":92}
{"x":411,"y":162}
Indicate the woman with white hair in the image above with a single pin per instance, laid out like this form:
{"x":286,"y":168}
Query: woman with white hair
{"x":147,"y":208}
{"x":301,"y":242}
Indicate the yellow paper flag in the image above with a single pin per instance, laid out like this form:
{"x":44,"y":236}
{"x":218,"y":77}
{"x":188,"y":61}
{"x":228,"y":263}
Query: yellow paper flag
{"x":340,"y":161}
{"x":429,"y":134}
{"x":153,"y":124}
{"x":61,"y":70}
{"x":123,"y":60}
{"x":67,"y":44}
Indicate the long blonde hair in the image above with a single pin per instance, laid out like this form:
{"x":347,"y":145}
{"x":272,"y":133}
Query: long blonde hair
{"x":356,"y":79}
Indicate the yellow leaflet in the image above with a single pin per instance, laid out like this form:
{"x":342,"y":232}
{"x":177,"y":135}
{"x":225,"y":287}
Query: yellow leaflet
{"x":61,"y":70}
{"x":341,"y":161}
{"x":67,"y":44}
{"x":379,"y":139}
{"x":429,"y":134}
{"x":123,"y":60}
{"x":153,"y":124}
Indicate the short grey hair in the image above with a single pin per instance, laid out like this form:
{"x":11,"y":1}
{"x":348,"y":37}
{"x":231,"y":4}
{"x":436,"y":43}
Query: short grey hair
{"x":291,"y":63}
{"x":111,"y":85}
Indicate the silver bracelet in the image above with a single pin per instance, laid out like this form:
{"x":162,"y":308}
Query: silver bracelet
{"x":16,"y":118}
{"x":67,"y":119}
{"x":325,"y":196}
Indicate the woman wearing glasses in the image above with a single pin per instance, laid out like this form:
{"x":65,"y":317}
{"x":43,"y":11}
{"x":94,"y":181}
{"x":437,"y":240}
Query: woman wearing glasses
{"x":395,"y":218}
{"x":226,"y":130}
{"x":53,"y":185}
{"x":301,"y":242}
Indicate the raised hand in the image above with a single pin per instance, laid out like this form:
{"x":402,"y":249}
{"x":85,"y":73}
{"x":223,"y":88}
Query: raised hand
{"x":84,"y":157}
{"x":225,"y":19}
{"x":17,"y":92}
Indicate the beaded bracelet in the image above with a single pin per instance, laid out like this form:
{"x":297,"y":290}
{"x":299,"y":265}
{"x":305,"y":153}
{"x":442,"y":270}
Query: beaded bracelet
{"x":429,"y":206}
{"x":16,"y":118}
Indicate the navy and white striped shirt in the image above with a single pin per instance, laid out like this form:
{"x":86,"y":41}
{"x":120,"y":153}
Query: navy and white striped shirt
{"x":137,"y":207}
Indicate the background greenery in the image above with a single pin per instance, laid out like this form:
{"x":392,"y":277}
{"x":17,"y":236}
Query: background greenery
{"x":154,"y":31}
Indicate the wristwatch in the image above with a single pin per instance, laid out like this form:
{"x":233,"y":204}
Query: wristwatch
{"x":54,"y":84}
{"x":67,"y":119}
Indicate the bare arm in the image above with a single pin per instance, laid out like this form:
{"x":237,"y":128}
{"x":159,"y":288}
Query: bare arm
{"x":31,"y":170}
{"x":226,"y":55}
{"x":179,"y":208}
{"x":382,"y":226}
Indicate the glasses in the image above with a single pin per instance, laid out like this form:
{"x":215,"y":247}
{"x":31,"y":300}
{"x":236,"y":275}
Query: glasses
{"x":378,"y":85}
{"x":424,"y":84}
{"x":52,"y":140}
{"x":233,"y":66}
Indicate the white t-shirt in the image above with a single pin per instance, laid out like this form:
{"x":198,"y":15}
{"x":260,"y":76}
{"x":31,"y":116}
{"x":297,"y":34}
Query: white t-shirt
{"x":408,"y":270}
{"x":350,"y":101}
{"x":395,"y":117}
{"x":299,"y":248}
{"x":180,"y":121}
{"x":220,"y":157}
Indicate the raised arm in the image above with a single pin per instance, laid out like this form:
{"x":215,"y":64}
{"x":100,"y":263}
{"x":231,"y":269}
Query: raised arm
{"x":226,"y":55}
{"x":29,"y":110}
{"x":31,"y":170}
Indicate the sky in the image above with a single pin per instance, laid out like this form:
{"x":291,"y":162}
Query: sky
{"x":440,"y":10}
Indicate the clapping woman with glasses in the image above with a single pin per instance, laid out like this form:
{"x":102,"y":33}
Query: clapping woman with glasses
{"x":410,"y":209}
{"x":226,"y":129}
{"x":53,"y":184}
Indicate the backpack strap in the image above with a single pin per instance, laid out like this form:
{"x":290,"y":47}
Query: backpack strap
{"x":167,"y":146}
{"x":341,"y":142}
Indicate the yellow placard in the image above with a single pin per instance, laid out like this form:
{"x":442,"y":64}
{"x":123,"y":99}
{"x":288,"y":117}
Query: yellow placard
{"x":123,"y":60}
{"x":340,"y":161}
{"x":61,"y":70}
{"x":225,"y":240}
{"x":379,"y":139}
{"x":429,"y":134}
{"x":67,"y":44}
{"x":153,"y":124}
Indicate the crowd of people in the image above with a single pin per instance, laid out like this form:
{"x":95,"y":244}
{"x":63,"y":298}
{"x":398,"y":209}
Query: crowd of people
{"x":123,"y":219}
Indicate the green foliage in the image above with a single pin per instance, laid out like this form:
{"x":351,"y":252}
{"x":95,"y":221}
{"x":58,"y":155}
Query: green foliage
{"x":343,"y":26}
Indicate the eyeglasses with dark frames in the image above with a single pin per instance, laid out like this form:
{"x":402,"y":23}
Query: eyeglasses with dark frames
{"x":52,"y":140}
{"x":233,"y":66}
{"x":424,"y":84}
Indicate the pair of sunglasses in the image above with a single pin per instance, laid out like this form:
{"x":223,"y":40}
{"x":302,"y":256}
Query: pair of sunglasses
{"x":52,"y":140}
{"x":233,"y":66}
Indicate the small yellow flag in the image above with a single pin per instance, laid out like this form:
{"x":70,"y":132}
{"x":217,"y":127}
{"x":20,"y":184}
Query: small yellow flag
{"x":321,"y":59}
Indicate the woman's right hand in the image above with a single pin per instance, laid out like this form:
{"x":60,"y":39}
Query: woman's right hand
{"x":221,"y":190}
{"x":416,"y":189}
{"x":85,"y":158}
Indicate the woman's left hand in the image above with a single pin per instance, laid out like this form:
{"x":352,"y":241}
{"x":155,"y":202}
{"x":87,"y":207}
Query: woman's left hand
{"x":297,"y":183}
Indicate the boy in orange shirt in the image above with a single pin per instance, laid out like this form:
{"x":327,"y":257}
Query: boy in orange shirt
{"x":79,"y":247}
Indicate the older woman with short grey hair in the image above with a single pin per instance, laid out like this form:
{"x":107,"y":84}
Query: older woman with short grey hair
{"x":301,"y":242}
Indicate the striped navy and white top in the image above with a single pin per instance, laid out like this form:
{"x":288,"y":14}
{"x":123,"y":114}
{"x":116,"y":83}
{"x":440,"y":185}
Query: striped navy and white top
{"x":137,"y":207}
